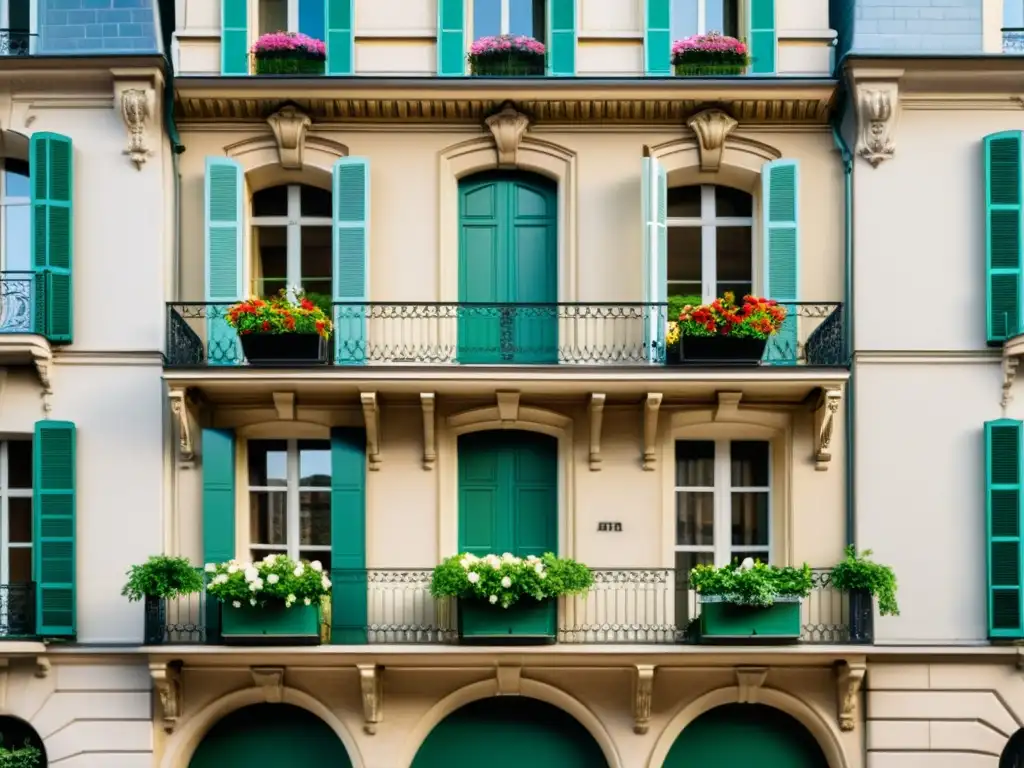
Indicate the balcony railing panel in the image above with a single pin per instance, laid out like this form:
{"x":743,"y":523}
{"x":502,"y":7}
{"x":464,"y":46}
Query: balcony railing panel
{"x":17,"y":610}
{"x":439,"y":334}
{"x":1013,"y":40}
{"x":17,"y":299}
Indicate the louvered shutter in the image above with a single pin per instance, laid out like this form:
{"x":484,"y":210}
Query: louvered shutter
{"x":1003,"y":526}
{"x":351,"y":259}
{"x":1003,"y":234}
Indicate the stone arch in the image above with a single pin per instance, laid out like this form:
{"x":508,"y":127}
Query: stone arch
{"x":261,"y":163}
{"x":183,"y":744}
{"x":742,"y":160}
{"x":818,"y":725}
{"x":503,"y":416}
{"x":545,"y":158}
{"x":531,"y":689}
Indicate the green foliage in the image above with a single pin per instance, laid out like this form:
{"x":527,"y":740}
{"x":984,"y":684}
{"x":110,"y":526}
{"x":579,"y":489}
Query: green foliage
{"x":503,"y":580}
{"x":279,"y":315}
{"x":860,"y":572}
{"x":758,"y":584}
{"x":24,"y":757}
{"x":274,"y":579}
{"x":676,"y":304}
{"x":162,"y":577}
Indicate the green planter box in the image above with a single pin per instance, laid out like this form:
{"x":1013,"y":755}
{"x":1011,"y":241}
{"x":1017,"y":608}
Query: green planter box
{"x":277,"y":625}
{"x":526,"y":622}
{"x":708,"y":70}
{"x":722,"y":621}
{"x":288,"y":65}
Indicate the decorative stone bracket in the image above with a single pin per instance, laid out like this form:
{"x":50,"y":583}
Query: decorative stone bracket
{"x":643,"y":697}
{"x":508,"y":126}
{"x":371,"y":415}
{"x":167,"y":682}
{"x":508,"y":407}
{"x":749,"y":682}
{"x":877,"y":102}
{"x":290,"y":126}
{"x":711,"y":128}
{"x":271,"y":680}
{"x":1013,"y":351}
{"x":509,"y":679}
{"x":652,"y":406}
{"x":371,"y":685}
{"x":182,"y":408}
{"x":849,"y":678}
{"x":428,"y":402}
{"x":824,"y":425}
{"x":138,"y":106}
{"x":284,"y":404}
{"x":596,"y":419}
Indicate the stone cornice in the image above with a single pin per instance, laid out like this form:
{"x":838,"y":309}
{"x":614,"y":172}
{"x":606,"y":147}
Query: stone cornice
{"x":971,"y":81}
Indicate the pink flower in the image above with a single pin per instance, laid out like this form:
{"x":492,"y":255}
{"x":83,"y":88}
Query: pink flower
{"x":506,"y":44}
{"x":284,"y":42}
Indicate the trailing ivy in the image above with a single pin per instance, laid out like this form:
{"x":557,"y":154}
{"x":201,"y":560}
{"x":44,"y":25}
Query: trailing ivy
{"x":860,"y":572}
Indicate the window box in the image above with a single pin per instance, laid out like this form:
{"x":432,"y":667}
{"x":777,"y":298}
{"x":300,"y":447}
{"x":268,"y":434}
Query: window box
{"x":271,"y":625}
{"x":507,"y":56}
{"x":709,"y":70}
{"x":725,"y":349}
{"x":526,"y":621}
{"x":724,"y":620}
{"x":288,"y":348}
{"x":289,"y":65}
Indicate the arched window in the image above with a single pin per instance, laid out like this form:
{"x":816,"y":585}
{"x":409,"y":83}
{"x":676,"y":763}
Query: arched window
{"x":509,"y":17}
{"x":698,"y":17}
{"x":306,"y":16}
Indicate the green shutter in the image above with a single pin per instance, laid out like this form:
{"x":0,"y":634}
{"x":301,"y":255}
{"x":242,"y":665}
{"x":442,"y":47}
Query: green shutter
{"x":234,"y":37}
{"x":351,"y":258}
{"x":561,"y":33}
{"x":781,"y":206}
{"x":654,"y":204}
{"x":224,"y":257}
{"x":53,"y":529}
{"x":348,"y":536}
{"x":762,"y":37}
{"x":52,"y":234}
{"x":451,"y":38}
{"x":658,"y":37}
{"x":340,"y":38}
{"x":1003,"y":238}
{"x":218,"y":463}
{"x":1003,"y":526}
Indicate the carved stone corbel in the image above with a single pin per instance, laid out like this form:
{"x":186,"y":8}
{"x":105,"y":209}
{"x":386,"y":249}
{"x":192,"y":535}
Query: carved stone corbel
{"x":167,"y":681}
{"x":849,"y":678}
{"x":271,"y":680}
{"x":42,"y":667}
{"x":652,"y":406}
{"x":824,"y":425}
{"x":711,"y":128}
{"x":137,"y":106}
{"x":749,"y":682}
{"x":508,"y":407}
{"x":728,"y":406}
{"x":179,"y":408}
{"x":596,"y":419}
{"x":877,"y":103}
{"x":371,"y":415}
{"x":428,"y":401}
{"x":643,"y":697}
{"x":1009,"y":376}
{"x":284,"y":404}
{"x":509,"y":678}
{"x":507,"y":126}
{"x":371,"y":686}
{"x":290,"y":125}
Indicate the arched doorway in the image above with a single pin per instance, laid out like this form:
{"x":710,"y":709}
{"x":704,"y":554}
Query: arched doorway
{"x":512,"y":732}
{"x":1013,"y":752}
{"x":745,"y":734}
{"x":508,"y":269}
{"x":18,"y":736}
{"x":281,"y":735}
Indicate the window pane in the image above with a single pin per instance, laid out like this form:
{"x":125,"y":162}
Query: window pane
{"x":316,"y":260}
{"x":268,"y":515}
{"x":684,"y":254}
{"x":16,"y":223}
{"x":272,"y":255}
{"x":273,"y":16}
{"x":315,"y":463}
{"x":684,"y":203}
{"x":486,"y":18}
{"x":731,"y":18}
{"x":749,"y":518}
{"x":695,"y":518}
{"x":312,"y":18}
{"x":315,"y":202}
{"x":19,"y":463}
{"x":749,"y":460}
{"x":268,"y":463}
{"x":732,"y":202}
{"x":19,"y":565}
{"x":695,"y":464}
{"x":258,"y":553}
{"x":684,"y":18}
{"x":19,"y":523}
{"x":526,"y":18}
{"x":16,"y":178}
{"x":315,"y":518}
{"x":270,"y":202}
{"x":323,"y":557}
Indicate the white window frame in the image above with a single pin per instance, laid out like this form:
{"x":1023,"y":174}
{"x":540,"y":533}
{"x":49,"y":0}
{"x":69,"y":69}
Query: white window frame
{"x":254,"y":19}
{"x":702,"y":17}
{"x":33,"y":21}
{"x":722,"y":547}
{"x":6,"y":494}
{"x":292,"y":490}
{"x":709,"y":222}
{"x":293,"y":222}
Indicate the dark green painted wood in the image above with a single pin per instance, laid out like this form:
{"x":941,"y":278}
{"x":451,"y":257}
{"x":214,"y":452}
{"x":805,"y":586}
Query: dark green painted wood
{"x":508,"y":493}
{"x":1004,"y":233}
{"x":511,"y":731}
{"x":1003,"y":523}
{"x":348,"y":536}
{"x":218,"y":510}
{"x":740,"y":735}
{"x":508,"y":254}
{"x":53,"y":527}
{"x":51,"y":234}
{"x":277,"y":735}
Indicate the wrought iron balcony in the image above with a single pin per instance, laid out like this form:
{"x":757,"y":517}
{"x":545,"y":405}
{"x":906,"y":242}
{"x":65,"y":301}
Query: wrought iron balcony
{"x":17,"y":610}
{"x":448,"y":334}
{"x":1013,"y":40}
{"x":625,"y":606}
{"x":17,"y":42}
{"x":21,"y":304}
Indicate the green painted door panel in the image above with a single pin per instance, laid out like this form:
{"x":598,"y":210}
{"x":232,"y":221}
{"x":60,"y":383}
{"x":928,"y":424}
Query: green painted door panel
{"x":479,"y":488}
{"x":278,"y":735}
{"x":511,"y":731}
{"x":743,"y":735}
{"x":534,"y":274}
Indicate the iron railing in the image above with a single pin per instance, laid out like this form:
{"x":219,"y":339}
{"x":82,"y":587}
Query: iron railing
{"x":17,"y":42}
{"x":17,"y":610}
{"x":22,"y":304}
{"x":441,"y":334}
{"x":625,"y":606}
{"x":1013,"y":40}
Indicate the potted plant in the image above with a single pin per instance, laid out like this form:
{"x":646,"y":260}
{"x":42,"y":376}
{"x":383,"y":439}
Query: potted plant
{"x":275,"y":599}
{"x":724,"y":332}
{"x":507,"y":56}
{"x":289,"y":53}
{"x":27,"y":756}
{"x":750,"y":601}
{"x":282,"y":329}
{"x":710,"y":55}
{"x":861,"y":578}
{"x":157,"y":580}
{"x":503,"y":597}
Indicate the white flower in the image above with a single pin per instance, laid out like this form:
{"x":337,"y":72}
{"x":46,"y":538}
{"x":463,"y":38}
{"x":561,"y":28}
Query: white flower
{"x":532,"y":558}
{"x":269,"y":559}
{"x":496,"y":565}
{"x":506,"y":582}
{"x":464,"y":563}
{"x":251,"y":574}
{"x":232,"y":568}
{"x":315,"y":565}
{"x":493,"y":599}
{"x":211,"y":568}
{"x":236,"y":603}
{"x":747,"y":564}
{"x":325,"y":583}
{"x":273,"y":578}
{"x":253,"y":587}
{"x":253,"y":602}
{"x":539,"y":568}
{"x":508,"y":557}
{"x":473,"y":577}
{"x":307,"y":601}
{"x":220,"y":578}
{"x":299,"y":570}
{"x":543,"y":574}
{"x":290,"y":598}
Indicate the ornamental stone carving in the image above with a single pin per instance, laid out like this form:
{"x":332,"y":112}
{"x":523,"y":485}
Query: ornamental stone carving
{"x":290,"y":125}
{"x":711,"y":127}
{"x":877,"y":106}
{"x":136,"y":109}
{"x":508,"y":126}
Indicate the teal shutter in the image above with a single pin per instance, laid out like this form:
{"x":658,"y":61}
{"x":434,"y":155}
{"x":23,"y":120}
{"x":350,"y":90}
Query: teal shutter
{"x":654,"y":204}
{"x":780,"y":203}
{"x":658,"y":37}
{"x":224,"y":266}
{"x":451,"y":38}
{"x":351,"y":258}
{"x":561,"y":34}
{"x":1003,"y":526}
{"x":1003,"y":234}
{"x":762,"y":37}
{"x":234,"y":37}
{"x":53,"y":527}
{"x":52,"y":235}
{"x":340,"y":41}
{"x":348,"y":536}
{"x":218,"y":510}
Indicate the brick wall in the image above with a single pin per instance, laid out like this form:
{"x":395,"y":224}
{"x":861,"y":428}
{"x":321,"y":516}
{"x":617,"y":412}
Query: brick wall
{"x":97,"y":26}
{"x":917,"y":26}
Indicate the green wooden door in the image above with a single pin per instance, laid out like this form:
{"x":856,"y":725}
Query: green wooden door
{"x":510,"y":732}
{"x":508,"y":256}
{"x":742,"y":735}
{"x":278,"y":735}
{"x":508,"y":493}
